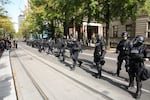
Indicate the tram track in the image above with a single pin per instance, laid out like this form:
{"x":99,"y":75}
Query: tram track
{"x":39,"y":89}
{"x":44,"y":61}
{"x":68,"y":76}
{"x":43,"y":95}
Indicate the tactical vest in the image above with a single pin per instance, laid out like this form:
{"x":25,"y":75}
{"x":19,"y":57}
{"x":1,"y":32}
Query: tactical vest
{"x":98,"y":49}
{"x":124,"y":47}
{"x":137,"y":53}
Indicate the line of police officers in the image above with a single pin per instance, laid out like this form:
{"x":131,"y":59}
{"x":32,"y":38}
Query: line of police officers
{"x":133,"y":52}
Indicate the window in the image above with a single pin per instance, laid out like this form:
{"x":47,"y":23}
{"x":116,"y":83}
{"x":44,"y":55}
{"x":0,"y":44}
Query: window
{"x":104,"y":31}
{"x":115,"y":31}
{"x":148,"y":35}
{"x":148,"y":25}
{"x":129,"y":29}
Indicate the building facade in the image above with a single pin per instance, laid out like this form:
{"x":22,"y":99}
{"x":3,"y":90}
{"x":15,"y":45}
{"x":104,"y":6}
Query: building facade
{"x":21,"y":18}
{"x":141,"y":26}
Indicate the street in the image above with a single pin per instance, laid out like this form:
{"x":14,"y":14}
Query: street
{"x":40,"y":76}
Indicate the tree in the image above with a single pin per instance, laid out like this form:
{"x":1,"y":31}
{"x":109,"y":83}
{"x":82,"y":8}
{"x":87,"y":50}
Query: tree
{"x":6,"y":27}
{"x":105,"y":10}
{"x":5,"y":23}
{"x":74,"y":11}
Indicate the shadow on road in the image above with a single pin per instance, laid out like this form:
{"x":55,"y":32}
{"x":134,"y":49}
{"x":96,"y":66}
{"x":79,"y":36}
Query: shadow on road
{"x":5,"y":86}
{"x":91,"y":69}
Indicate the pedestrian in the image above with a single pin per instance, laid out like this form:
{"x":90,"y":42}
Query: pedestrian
{"x":136,"y":63}
{"x":123,"y":48}
{"x":99,"y":54}
{"x":87,"y":42}
{"x":15,"y":44}
{"x":2,"y":45}
{"x":76,"y":48}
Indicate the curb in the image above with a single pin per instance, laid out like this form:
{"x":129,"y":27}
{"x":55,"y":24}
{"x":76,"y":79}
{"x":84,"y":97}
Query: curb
{"x":6,"y":74}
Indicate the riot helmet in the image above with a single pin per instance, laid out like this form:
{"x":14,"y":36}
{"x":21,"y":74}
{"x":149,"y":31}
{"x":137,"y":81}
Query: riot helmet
{"x":98,"y":37}
{"x":138,"y":40}
{"x":74,"y":39}
{"x":64,"y":37}
{"x":124,"y":34}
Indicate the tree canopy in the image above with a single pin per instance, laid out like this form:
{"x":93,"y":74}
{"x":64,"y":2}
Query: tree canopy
{"x":6,"y":26}
{"x":69,"y":11}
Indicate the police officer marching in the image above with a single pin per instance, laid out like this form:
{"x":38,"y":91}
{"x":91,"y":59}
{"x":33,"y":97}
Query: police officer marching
{"x":76,"y":48}
{"x":41,"y":45}
{"x":63,"y":47}
{"x":99,"y":54}
{"x":51,"y":43}
{"x":123,"y":48}
{"x":136,"y":64}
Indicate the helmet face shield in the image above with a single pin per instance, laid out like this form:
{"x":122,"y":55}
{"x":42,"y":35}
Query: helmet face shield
{"x":98,"y":37}
{"x":124,"y":34}
{"x":64,"y":37}
{"x":138,"y":40}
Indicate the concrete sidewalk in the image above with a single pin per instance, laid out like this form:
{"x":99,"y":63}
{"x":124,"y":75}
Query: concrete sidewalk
{"x":7,"y":87}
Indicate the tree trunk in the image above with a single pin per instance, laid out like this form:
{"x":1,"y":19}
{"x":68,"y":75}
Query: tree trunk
{"x":107,"y":25}
{"x":52,"y":28}
{"x":66,"y":30}
{"x":66,"y":26}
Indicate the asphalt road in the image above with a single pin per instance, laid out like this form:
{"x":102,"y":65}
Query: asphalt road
{"x":36,"y":80}
{"x":87,"y":69}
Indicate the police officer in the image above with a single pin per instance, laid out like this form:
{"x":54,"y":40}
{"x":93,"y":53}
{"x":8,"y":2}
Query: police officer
{"x":63,"y":46}
{"x":123,"y":48}
{"x":137,"y":57}
{"x":99,"y":54}
{"x":51,"y":43}
{"x":58,"y":46}
{"x":76,"y":48}
{"x":42,"y":45}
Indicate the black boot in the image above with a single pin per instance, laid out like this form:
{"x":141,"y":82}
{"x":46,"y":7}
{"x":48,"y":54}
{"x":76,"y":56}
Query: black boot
{"x":131,"y":85}
{"x":63,"y":59}
{"x":80,"y":63}
{"x":138,"y":94}
{"x":99,"y":74}
{"x":118,"y":68}
{"x":118,"y":72}
{"x":131,"y":81}
{"x":72,"y":68}
{"x":73,"y":65}
{"x":139,"y":91}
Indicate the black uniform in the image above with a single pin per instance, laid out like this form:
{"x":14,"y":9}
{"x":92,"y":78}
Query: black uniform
{"x":50,"y":46}
{"x":41,"y":47}
{"x":63,"y":46}
{"x":58,"y":46}
{"x":136,"y":64}
{"x":99,"y":54}
{"x":123,"y":47}
{"x":76,"y":48}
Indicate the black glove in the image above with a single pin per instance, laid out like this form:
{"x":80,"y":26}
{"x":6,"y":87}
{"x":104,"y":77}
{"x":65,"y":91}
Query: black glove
{"x":102,"y":62}
{"x":116,"y":51}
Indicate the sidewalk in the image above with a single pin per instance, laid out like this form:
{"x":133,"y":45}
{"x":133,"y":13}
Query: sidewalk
{"x":7,"y":88}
